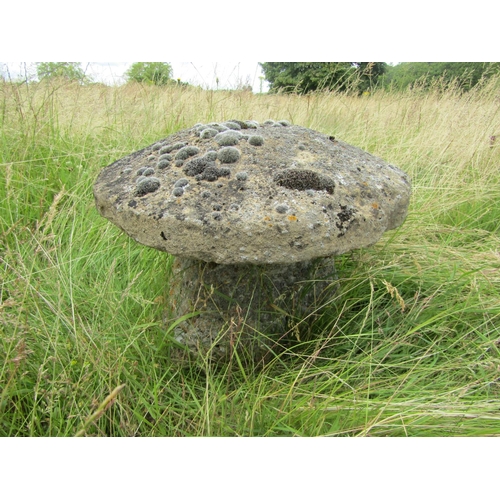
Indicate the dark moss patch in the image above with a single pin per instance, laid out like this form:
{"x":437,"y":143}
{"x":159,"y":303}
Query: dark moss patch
{"x":304,"y":180}
{"x":197,"y":166}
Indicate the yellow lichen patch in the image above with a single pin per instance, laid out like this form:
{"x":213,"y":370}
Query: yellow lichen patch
{"x":305,"y":158}
{"x":292,"y":218}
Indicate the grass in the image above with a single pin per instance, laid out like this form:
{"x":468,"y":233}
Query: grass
{"x":409,"y":345}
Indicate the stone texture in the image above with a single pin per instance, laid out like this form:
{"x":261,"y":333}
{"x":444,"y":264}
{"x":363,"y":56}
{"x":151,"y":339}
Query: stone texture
{"x":254,"y":214}
{"x":255,"y":309}
{"x":292,"y":195}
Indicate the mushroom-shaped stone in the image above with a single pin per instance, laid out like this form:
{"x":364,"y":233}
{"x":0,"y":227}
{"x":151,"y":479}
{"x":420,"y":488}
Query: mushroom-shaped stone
{"x":248,"y":212}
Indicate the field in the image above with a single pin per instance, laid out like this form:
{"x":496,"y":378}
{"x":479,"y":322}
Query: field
{"x":409,"y":346}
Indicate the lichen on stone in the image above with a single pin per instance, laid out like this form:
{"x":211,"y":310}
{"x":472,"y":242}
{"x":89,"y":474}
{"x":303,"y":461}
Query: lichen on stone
{"x":256,"y":140}
{"x":212,"y":173}
{"x":208,"y":133}
{"x":304,"y":180}
{"x":252,"y":124}
{"x":232,"y":125}
{"x":147,"y":185}
{"x":157,"y":146}
{"x":185,"y":152}
{"x":218,"y":126}
{"x":210,"y":156}
{"x":172,"y":147}
{"x":196,"y":166}
{"x":181,"y":182}
{"x":228,"y":138}
{"x":228,"y":155}
{"x":162,"y":164}
{"x":146,"y":171}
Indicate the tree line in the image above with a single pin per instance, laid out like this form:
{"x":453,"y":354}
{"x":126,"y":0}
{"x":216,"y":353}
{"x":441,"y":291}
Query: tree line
{"x":154,"y":73}
{"x":464,"y":75}
{"x":306,"y":77}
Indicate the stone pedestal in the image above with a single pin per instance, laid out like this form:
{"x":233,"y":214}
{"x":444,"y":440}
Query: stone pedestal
{"x":253,"y":309}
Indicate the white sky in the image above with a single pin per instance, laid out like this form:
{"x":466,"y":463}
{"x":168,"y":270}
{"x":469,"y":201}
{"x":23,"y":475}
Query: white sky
{"x":260,"y":31}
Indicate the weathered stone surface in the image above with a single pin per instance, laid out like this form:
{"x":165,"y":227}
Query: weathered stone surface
{"x":266,"y":194}
{"x":256,"y":309}
{"x":254,"y":214}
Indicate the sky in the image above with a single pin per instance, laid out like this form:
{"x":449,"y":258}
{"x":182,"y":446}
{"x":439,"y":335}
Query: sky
{"x":260,"y":31}
{"x":230,"y":75}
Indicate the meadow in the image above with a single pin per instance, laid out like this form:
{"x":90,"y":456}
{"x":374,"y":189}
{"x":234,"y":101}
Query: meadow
{"x":408,"y":346}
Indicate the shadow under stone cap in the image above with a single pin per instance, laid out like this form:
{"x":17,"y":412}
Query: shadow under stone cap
{"x":276,"y":193}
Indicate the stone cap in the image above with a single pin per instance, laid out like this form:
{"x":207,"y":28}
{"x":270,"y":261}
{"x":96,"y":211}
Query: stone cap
{"x":243,"y":192}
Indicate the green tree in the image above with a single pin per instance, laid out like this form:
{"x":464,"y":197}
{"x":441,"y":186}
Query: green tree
{"x":155,"y":73}
{"x":465,"y":74}
{"x":368,"y":74}
{"x":68,"y":70}
{"x":304,"y":77}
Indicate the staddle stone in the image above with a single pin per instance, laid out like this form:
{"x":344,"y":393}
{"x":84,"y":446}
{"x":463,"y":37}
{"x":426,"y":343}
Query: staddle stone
{"x":236,"y":201}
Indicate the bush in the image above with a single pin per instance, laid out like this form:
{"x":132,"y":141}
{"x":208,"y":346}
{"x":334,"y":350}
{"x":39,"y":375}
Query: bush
{"x":155,"y":73}
{"x":68,"y":70}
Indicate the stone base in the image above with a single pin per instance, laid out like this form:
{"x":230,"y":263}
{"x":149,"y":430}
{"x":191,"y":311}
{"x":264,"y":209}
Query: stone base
{"x":251,"y":309}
